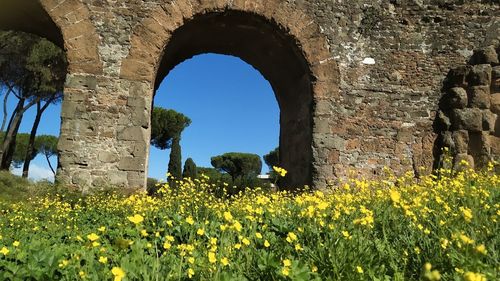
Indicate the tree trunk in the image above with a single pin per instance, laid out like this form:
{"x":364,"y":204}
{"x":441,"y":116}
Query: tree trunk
{"x":50,"y":165}
{"x":9,"y":142}
{"x":4,"y":119}
{"x":31,"y":145}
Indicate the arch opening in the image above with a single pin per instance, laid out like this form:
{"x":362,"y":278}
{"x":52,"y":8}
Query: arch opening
{"x":276,"y":55}
{"x":30,"y":17}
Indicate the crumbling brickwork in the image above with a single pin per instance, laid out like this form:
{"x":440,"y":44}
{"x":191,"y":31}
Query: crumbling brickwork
{"x":359,"y":86}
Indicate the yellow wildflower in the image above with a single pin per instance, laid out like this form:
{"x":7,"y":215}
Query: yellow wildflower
{"x":200,"y":231}
{"x":118,"y":273}
{"x":136,"y":218}
{"x":92,"y":237}
{"x":167,"y":245}
{"x":103,"y":259}
{"x":481,"y":249}
{"x":224,"y":261}
{"x":16,"y":244}
{"x":190,"y":220}
{"x":190,"y":273}
{"x":258,"y":235}
{"x":228,"y":217}
{"x":266,"y":244}
{"x":211,"y":257}
{"x":359,"y":269}
{"x":395,"y":196}
{"x":472,"y":276}
{"x":287,"y":262}
{"x":285,"y":271}
{"x":246,"y":241}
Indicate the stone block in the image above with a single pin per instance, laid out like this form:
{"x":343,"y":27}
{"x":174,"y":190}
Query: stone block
{"x":442,"y":122}
{"x":107,"y":157}
{"x":470,"y":119}
{"x":495,"y":103}
{"x":456,"y":77}
{"x":486,"y":55}
{"x":117,"y":177}
{"x":455,"y":97}
{"x":460,"y":141}
{"x":480,"y":75}
{"x":463,"y":161}
{"x":495,"y":79}
{"x":489,"y":121}
{"x":82,"y":82}
{"x":135,"y":133}
{"x":130,"y":163}
{"x":479,"y":148}
{"x":494,"y":145}
{"x":479,"y":96}
{"x":82,"y":178}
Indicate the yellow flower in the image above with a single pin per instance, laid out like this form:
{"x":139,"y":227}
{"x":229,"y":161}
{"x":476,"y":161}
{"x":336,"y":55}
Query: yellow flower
{"x":346,"y":234}
{"x":258,"y":235}
{"x":144,"y":233}
{"x":444,"y":243}
{"x":191,"y":260}
{"x":287,"y":262}
{"x":224,"y":261}
{"x":280,"y":171}
{"x":314,"y":268}
{"x":427,"y":266}
{"x":298,"y":247}
{"x":82,"y":274}
{"x":467,"y":213}
{"x":190,"y":272}
{"x":170,"y":238}
{"x":213,"y":241}
{"x":96,"y":244}
{"x":211,"y":257}
{"x":16,"y":244}
{"x":118,"y":273}
{"x":359,"y":269}
{"x":228,"y":217}
{"x":63,"y":263}
{"x":246,"y":241}
{"x":266,"y":244}
{"x":92,"y":237}
{"x":285,"y":271}
{"x":167,"y":245}
{"x":200,"y":231}
{"x":395,"y":196}
{"x":102,"y":229}
{"x":237,"y":246}
{"x":472,"y":276}
{"x":190,"y":220}
{"x":103,"y":259}
{"x":4,"y":251}
{"x":481,"y":249}
{"x":291,"y":237}
{"x":136,"y":218}
{"x":237,"y":226}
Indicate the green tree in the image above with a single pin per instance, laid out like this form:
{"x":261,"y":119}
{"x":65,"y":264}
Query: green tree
{"x":238,"y":164}
{"x":175,"y":162}
{"x":33,"y":70}
{"x":47,"y":146}
{"x":272,"y":158}
{"x":190,"y":170}
{"x":167,"y":126}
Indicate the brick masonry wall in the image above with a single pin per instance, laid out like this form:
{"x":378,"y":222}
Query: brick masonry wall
{"x":366,"y":116}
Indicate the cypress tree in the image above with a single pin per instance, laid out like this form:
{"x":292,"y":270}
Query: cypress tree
{"x":190,"y":170}
{"x":175,"y":162}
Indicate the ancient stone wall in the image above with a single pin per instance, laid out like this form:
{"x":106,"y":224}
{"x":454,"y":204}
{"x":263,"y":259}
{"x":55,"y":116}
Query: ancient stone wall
{"x":364,"y":115}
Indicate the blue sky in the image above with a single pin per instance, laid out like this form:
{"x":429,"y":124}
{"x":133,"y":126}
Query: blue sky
{"x":231,"y":105}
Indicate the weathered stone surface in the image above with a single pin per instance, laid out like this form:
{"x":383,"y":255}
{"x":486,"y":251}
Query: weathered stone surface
{"x":495,"y":80}
{"x":487,"y":55}
{"x":480,"y":75}
{"x":495,"y":103}
{"x":479,"y":96}
{"x":470,"y":119}
{"x":455,"y":97}
{"x":313,"y":53}
{"x":463,"y":161}
{"x":442,"y":122}
{"x":489,"y":121}
{"x":460,"y":141}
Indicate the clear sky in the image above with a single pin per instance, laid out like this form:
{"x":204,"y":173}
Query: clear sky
{"x":231,"y":105}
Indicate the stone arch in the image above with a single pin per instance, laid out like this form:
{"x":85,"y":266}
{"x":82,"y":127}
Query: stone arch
{"x":178,"y":30}
{"x":80,"y":38}
{"x":64,"y":22}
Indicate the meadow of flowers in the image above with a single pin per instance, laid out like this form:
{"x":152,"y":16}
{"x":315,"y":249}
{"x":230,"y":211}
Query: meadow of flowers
{"x":434,"y":228}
